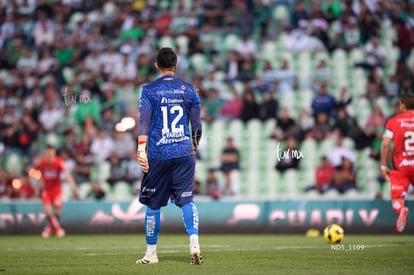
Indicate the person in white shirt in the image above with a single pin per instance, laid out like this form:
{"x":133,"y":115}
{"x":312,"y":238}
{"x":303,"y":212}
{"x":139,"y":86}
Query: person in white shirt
{"x":50,"y":116}
{"x":109,"y":60}
{"x":246,"y":47}
{"x":102,"y":146}
{"x":375,"y":55}
{"x":340,"y":151}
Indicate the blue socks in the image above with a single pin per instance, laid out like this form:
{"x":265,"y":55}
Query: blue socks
{"x":153,"y":222}
{"x":190,"y":218}
{"x":152,"y":225}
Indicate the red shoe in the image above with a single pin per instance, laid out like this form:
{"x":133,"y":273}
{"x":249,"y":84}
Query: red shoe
{"x":402,"y":219}
{"x":47,"y":232}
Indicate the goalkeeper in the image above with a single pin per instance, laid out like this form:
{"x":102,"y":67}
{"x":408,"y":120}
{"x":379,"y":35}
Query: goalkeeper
{"x":167,"y":106}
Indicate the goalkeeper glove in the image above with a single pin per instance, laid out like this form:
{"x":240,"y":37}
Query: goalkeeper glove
{"x":142,"y":156}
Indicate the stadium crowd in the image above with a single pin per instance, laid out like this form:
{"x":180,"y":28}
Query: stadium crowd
{"x":70,"y":71}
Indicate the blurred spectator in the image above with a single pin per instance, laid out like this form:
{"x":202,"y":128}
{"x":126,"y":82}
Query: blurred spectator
{"x":5,"y":184}
{"x":50,"y":116}
{"x":102,"y":146}
{"x":305,"y":123}
{"x":250,"y":108}
{"x":269,"y":107}
{"x":233,"y":106}
{"x":289,"y":157}
{"x":323,"y":102}
{"x":124,"y":70}
{"x":345,"y":176}
{"x":375,"y":54}
{"x":324,"y":175}
{"x":392,"y":87}
{"x":212,"y":184}
{"x":124,"y":145}
{"x":210,"y":82}
{"x":368,"y":25}
{"x":118,"y":170}
{"x":375,"y":149}
{"x":344,"y":99}
{"x":405,"y":39}
{"x":322,"y":127}
{"x":247,"y":71}
{"x":232,"y":66}
{"x":213,"y":105}
{"x":285,"y":125}
{"x":245,"y":20}
{"x":352,"y":34}
{"x":68,"y":161}
{"x":299,"y":13}
{"x":162,"y":22}
{"x":344,"y":122}
{"x":96,"y":192}
{"x":134,"y":172}
{"x":299,"y":40}
{"x":230,"y":159}
{"x":375,"y":86}
{"x":322,"y":74}
{"x":331,"y":9}
{"x":319,"y":31}
{"x":339,"y":152}
{"x":376,"y":120}
{"x":246,"y":47}
{"x":286,"y":77}
{"x":27,"y":62}
{"x":197,"y":187}
{"x":22,"y":188}
{"x":83,"y":159}
{"x":43,"y":30}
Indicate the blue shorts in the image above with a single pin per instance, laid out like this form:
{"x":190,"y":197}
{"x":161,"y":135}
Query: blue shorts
{"x":173,"y":178}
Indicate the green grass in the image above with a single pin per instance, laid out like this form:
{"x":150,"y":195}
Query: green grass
{"x":223,"y":254}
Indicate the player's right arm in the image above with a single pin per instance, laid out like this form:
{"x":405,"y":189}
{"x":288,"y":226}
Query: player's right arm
{"x":145,"y":115}
{"x":385,"y":148}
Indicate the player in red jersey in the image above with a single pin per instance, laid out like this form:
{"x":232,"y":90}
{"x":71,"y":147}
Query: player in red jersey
{"x":400,"y":130}
{"x":51,"y":166}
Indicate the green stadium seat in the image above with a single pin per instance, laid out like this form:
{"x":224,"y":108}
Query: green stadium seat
{"x":281,"y":13}
{"x":198,"y":62}
{"x":182,"y":43}
{"x":230,"y":42}
{"x":166,"y":41}
{"x":66,"y":191}
{"x":84,"y":189}
{"x":13,"y":163}
{"x":122,"y":191}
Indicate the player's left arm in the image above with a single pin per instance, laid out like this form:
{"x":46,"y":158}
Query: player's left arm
{"x":195,"y":121}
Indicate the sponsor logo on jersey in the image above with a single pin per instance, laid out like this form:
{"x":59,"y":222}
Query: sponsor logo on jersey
{"x":165,"y":100}
{"x":407,"y":125}
{"x":406,"y":162}
{"x":151,"y":190}
{"x":186,"y":194}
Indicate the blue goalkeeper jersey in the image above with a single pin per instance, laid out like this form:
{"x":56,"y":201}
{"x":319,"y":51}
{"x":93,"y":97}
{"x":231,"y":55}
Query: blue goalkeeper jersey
{"x":167,"y":106}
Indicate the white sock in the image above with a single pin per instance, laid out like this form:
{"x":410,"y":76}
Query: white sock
{"x":194,"y":240}
{"x":151,"y":249}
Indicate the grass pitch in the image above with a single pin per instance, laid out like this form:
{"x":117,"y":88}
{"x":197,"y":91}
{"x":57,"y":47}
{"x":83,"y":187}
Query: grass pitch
{"x":223,"y":254}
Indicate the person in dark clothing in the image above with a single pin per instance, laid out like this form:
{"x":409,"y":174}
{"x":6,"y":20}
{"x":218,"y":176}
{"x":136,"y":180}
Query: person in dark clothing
{"x":250,"y":108}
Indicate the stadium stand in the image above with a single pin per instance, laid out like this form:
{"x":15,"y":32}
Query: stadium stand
{"x":205,"y":34}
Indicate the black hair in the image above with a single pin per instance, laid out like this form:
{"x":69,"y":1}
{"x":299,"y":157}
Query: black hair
{"x":408,"y":101}
{"x":166,"y":58}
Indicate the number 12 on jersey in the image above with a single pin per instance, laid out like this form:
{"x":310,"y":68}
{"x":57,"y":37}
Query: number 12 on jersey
{"x":173,"y":127}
